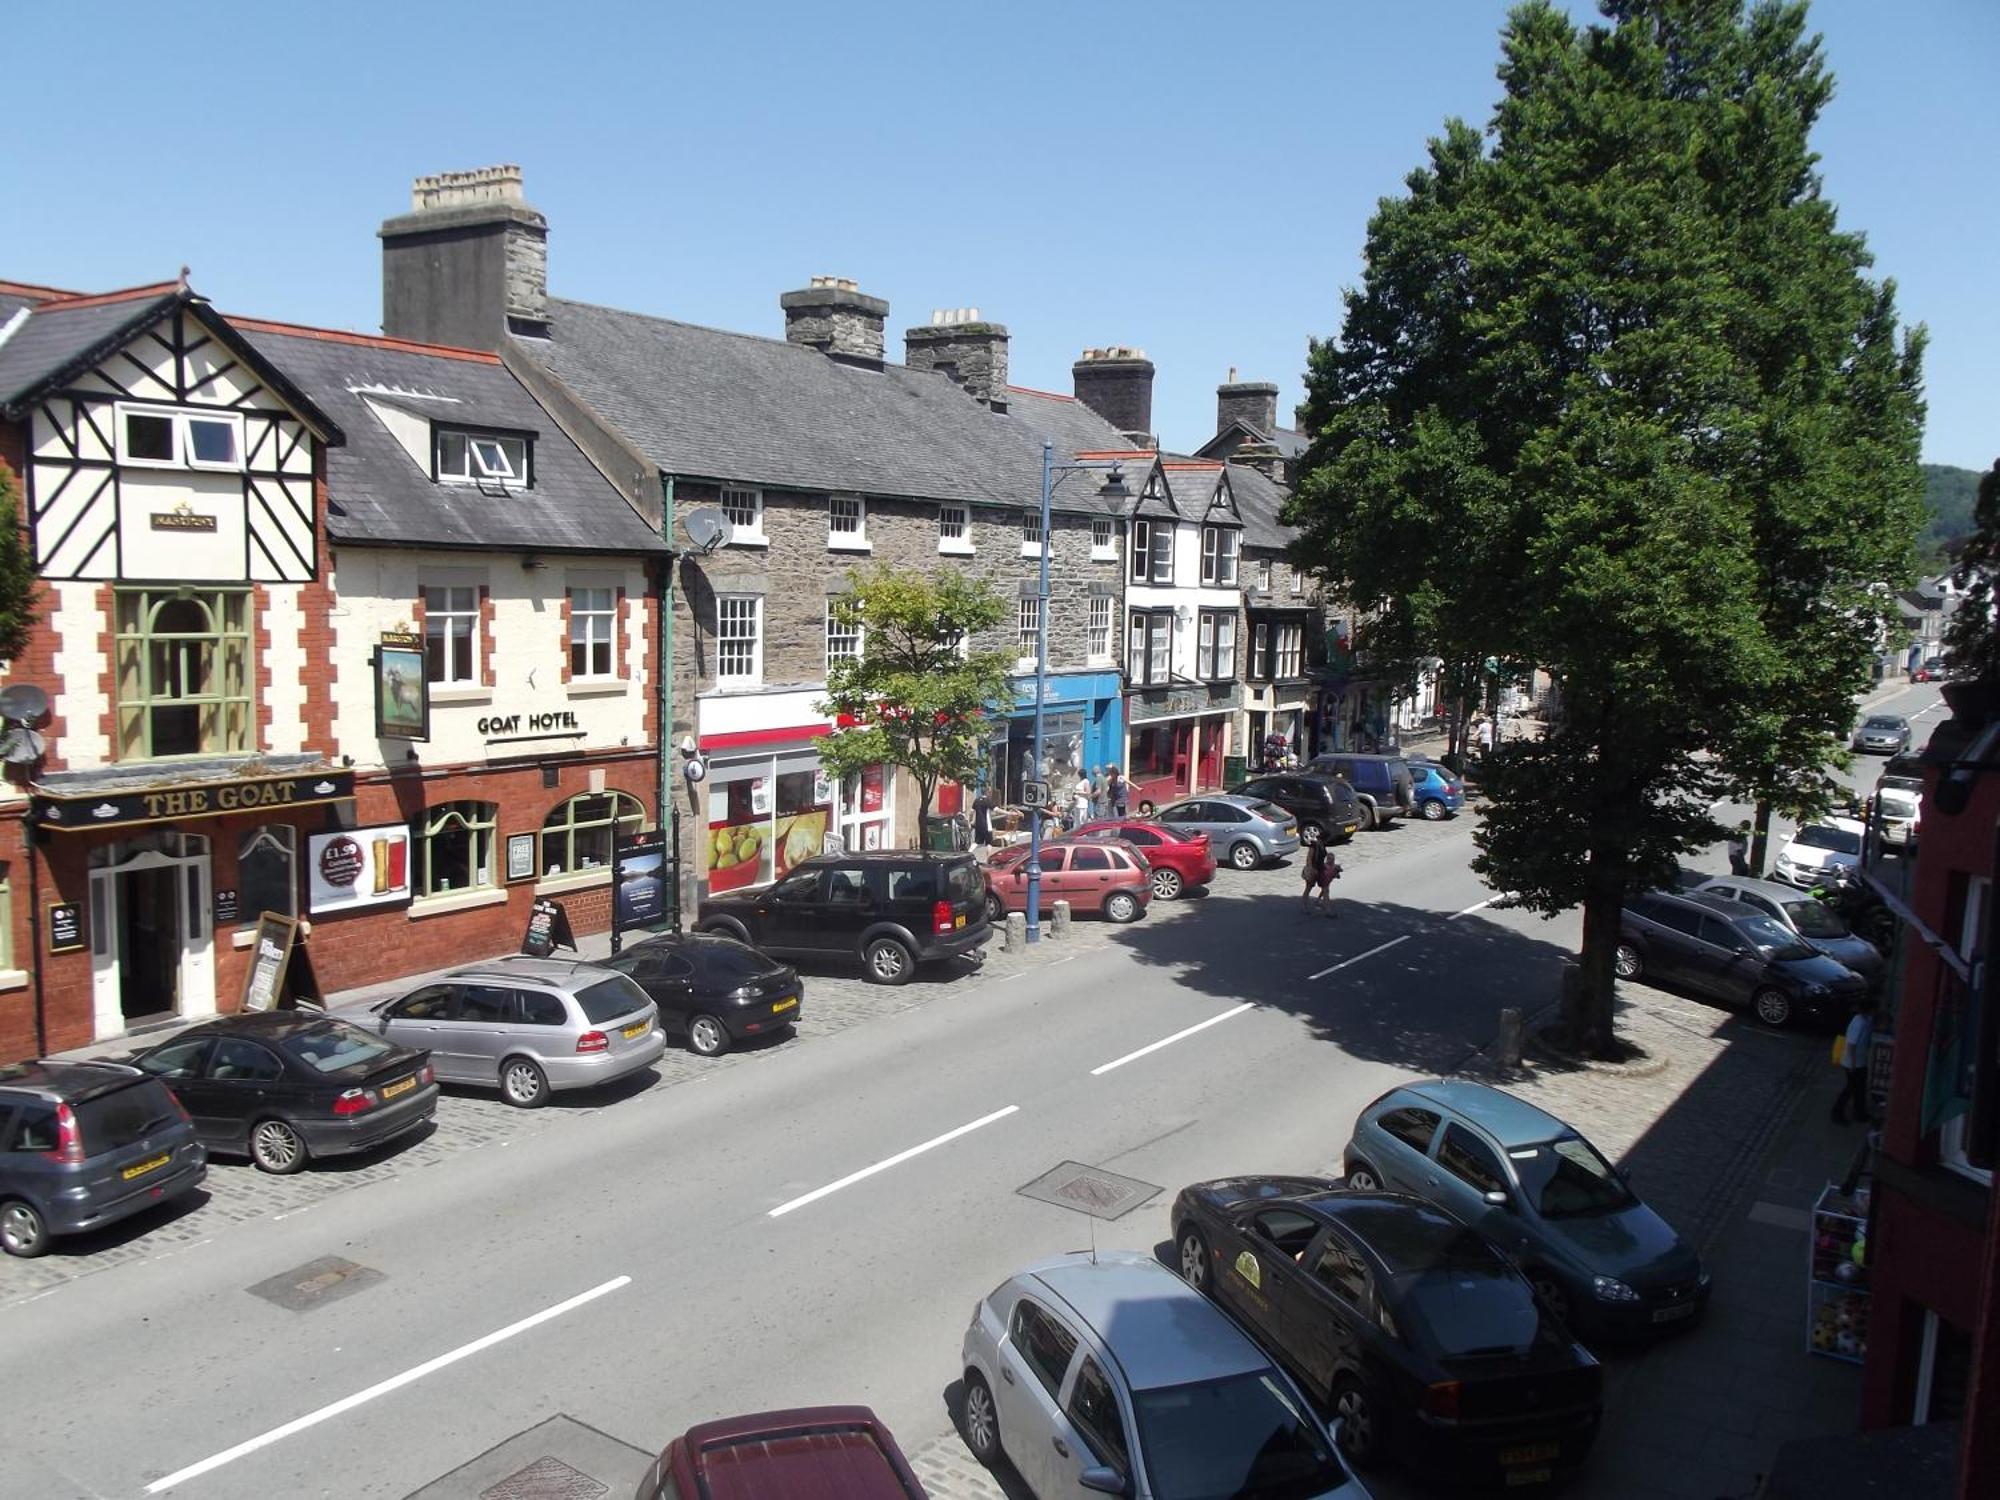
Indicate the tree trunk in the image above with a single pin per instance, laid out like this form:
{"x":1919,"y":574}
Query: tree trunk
{"x":1760,"y":839}
{"x":1587,"y":1001}
{"x":924,"y":790}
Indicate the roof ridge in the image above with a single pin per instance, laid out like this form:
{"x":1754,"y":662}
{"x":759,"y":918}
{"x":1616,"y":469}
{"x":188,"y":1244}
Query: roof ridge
{"x":364,"y":340}
{"x":734,"y":333}
{"x":1029,"y":390}
{"x":99,"y":299}
{"x":25,"y":288}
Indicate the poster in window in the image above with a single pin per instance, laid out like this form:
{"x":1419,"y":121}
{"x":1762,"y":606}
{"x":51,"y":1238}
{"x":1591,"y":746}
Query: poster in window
{"x":402,"y":691}
{"x":760,"y":795}
{"x":871,"y":789}
{"x":639,"y":865}
{"x":520,"y":856}
{"x":365,"y":867}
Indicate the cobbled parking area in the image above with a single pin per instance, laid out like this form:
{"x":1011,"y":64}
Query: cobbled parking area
{"x":466,"y":1121}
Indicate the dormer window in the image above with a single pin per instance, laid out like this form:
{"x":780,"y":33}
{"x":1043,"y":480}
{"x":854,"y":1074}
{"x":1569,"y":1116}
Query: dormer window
{"x":164,"y":437}
{"x":482,"y":458}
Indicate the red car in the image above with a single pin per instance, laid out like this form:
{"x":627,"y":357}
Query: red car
{"x":1930,"y":671}
{"x":1181,"y":861}
{"x":812,"y":1453}
{"x":1097,"y":877}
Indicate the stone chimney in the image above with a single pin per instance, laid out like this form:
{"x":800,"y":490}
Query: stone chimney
{"x":1117,"y":384}
{"x":964,"y":346}
{"x":1251,"y":401}
{"x":837,"y":318}
{"x":468,"y":264}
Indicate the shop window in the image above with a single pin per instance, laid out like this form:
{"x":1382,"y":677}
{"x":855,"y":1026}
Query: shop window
{"x":744,"y":509}
{"x":1153,"y":752}
{"x":864,"y":809}
{"x":265,"y":878}
{"x":577,"y":834}
{"x":454,"y":847}
{"x":451,"y":634}
{"x":593,"y":618}
{"x":183,"y":660}
{"x":739,"y":644}
{"x":765,"y":816}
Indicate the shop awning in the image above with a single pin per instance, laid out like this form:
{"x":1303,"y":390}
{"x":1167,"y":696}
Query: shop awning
{"x":131,"y":796}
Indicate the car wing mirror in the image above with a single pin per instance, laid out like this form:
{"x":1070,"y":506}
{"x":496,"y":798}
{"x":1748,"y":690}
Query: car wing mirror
{"x":1498,"y":1198}
{"x":1105,"y":1479}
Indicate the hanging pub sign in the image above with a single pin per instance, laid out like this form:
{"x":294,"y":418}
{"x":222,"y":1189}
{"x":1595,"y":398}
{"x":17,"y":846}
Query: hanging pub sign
{"x":65,"y":927}
{"x":402,"y":691}
{"x":638,"y":879}
{"x":281,"y":972}
{"x":548,"y":929}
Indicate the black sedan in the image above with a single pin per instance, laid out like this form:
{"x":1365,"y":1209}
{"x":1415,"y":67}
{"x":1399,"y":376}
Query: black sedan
{"x":285,"y":1086}
{"x":712,"y":990}
{"x":1420,"y":1337}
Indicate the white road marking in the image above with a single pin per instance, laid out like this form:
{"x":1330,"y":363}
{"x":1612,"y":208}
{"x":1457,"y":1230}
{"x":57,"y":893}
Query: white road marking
{"x":1168,"y":1041}
{"x":1476,"y":906}
{"x":894,"y":1161}
{"x":382,"y":1388}
{"x":1345,"y":962}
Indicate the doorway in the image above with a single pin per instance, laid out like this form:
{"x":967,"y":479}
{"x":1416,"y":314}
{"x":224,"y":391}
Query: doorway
{"x":151,"y":942}
{"x":149,"y":946}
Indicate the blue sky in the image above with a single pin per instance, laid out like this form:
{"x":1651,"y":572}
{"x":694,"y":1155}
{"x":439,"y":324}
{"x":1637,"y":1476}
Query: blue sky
{"x":1191,"y":178}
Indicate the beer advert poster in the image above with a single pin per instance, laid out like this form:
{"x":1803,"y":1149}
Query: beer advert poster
{"x":361,"y":867}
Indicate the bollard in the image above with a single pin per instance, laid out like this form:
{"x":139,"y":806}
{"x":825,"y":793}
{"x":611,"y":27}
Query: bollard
{"x":1059,"y":919}
{"x":1510,"y":1037}
{"x":1014,"y":936}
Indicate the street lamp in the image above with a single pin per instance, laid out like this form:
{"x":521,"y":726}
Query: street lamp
{"x":1113,"y":489}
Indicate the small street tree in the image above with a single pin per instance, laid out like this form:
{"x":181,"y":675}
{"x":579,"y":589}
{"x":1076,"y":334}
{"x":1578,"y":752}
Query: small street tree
{"x":17,"y":573}
{"x":914,"y":696}
{"x":1616,"y":398}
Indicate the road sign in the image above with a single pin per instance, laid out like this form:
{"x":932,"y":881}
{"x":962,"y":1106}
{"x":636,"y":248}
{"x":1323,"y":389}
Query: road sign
{"x":1035,"y":793}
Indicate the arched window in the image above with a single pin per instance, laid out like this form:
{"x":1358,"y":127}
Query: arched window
{"x":454,"y":843}
{"x":577,"y":834}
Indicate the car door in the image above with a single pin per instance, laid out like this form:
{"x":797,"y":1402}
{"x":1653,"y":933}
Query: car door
{"x":181,"y":1066}
{"x":1401,"y":1149}
{"x":418,"y":1020}
{"x":1055,"y":875}
{"x":1467,"y":1170}
{"x":1728,"y":960}
{"x":1034,"y":1369}
{"x":667,"y":977}
{"x":846,"y":903}
{"x":1088,"y":879}
{"x":1191,"y":817}
{"x":1331,"y":1301}
{"x":1671,"y":949}
{"x":788,"y":916}
{"x":487,"y":1028}
{"x":1267,"y":1245}
{"x":242,"y":1080}
{"x":1097,"y":1418}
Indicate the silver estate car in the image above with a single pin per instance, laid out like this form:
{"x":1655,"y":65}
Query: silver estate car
{"x":1242,"y":831}
{"x":1108,"y":1374}
{"x":530,"y":1026}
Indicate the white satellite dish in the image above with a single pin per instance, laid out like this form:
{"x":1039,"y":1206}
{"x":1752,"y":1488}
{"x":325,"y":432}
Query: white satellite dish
{"x":707,"y":527}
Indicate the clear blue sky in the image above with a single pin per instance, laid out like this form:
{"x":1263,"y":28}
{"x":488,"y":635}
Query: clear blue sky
{"x":1190,"y":178}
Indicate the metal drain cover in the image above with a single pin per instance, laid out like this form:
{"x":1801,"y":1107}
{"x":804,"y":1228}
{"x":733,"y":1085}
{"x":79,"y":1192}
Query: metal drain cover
{"x":546,"y":1479}
{"x":1089,"y":1190}
{"x":316,"y":1283}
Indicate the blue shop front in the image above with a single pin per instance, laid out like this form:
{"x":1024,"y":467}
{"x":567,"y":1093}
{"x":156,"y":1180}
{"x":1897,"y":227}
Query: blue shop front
{"x":1083,"y":731}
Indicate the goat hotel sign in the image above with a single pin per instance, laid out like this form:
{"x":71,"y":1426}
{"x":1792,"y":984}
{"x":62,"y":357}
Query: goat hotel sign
{"x":205,"y":799}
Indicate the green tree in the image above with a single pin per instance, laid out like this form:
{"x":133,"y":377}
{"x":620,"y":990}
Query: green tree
{"x":18,"y":591}
{"x":1579,"y":415}
{"x":917,"y":698}
{"x":1972,"y":634}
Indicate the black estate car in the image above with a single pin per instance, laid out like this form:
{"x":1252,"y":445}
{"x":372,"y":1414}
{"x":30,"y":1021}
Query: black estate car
{"x":284,"y":1086}
{"x":1325,"y":806}
{"x":1425,"y":1340}
{"x":890,"y":908}
{"x":712,"y":990}
{"x":1732,"y":953}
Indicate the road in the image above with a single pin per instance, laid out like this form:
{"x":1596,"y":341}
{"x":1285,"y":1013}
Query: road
{"x":812,"y":1228}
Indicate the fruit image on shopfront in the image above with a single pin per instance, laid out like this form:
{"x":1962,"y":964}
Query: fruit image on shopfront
{"x":736,"y":856}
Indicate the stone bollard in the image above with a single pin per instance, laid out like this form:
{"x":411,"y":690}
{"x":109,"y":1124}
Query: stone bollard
{"x":1509,"y":1046}
{"x":1014,"y":936}
{"x":1058,"y":919}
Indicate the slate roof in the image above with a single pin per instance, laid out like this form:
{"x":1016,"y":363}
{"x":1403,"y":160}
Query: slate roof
{"x":1259,"y":498}
{"x":378,"y":495}
{"x":63,"y":336}
{"x":709,"y":404}
{"x":1291,"y":444}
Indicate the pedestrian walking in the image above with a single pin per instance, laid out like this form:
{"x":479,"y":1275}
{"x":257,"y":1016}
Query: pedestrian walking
{"x":1482,"y":731}
{"x":1080,"y":800}
{"x":1114,"y":791}
{"x":1739,"y":849}
{"x":1851,"y":1051}
{"x":982,"y":818}
{"x":1319,"y":869}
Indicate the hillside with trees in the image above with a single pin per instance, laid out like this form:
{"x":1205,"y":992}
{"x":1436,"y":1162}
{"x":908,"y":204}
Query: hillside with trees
{"x":1949,"y":496}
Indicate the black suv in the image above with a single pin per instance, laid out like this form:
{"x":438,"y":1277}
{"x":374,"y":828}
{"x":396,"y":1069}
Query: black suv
{"x":1325,"y":806}
{"x":1382,"y":783}
{"x":891,"y":908}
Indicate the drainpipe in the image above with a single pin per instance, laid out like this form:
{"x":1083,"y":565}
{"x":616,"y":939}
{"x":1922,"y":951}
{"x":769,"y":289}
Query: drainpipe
{"x":664,"y":672}
{"x":35,"y":960}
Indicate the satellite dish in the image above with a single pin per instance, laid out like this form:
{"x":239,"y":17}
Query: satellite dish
{"x":24,"y":703}
{"x":22,"y":747}
{"x":707,"y":528}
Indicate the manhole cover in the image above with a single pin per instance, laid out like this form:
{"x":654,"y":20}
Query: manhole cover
{"x":316,"y":1283}
{"x":1089,"y":1190}
{"x":546,"y":1479}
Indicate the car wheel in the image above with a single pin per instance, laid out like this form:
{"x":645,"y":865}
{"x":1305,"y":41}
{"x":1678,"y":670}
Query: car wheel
{"x":523,"y":1084}
{"x":1360,"y":1429}
{"x":996,"y":909}
{"x":277,"y":1148}
{"x":1194,"y":1258}
{"x":1627,"y":962}
{"x":982,"y":1420}
{"x":23,"y":1231}
{"x":1371,"y":816}
{"x":1434,"y":810}
{"x":1167,"y":884}
{"x":1310,"y":834}
{"x":1362,"y":1178}
{"x":889,"y":962}
{"x":707,"y":1036}
{"x":1244,"y":855}
{"x":1122,"y":906}
{"x":1552,"y":1292}
{"x":1772,"y":1006}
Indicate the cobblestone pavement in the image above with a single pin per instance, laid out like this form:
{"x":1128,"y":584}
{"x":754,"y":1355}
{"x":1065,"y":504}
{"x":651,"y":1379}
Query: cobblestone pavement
{"x":468,"y":1120}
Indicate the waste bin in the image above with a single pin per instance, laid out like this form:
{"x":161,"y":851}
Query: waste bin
{"x":1235,"y":768}
{"x":947,"y":834}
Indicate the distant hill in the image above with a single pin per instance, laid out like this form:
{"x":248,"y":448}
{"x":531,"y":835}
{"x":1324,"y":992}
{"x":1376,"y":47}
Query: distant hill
{"x":1949,"y":495}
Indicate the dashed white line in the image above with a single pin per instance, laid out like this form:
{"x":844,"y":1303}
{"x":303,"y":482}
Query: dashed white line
{"x":1346,"y":962}
{"x":382,"y":1388}
{"x":1168,"y":1041}
{"x":1476,"y":906}
{"x":893,"y":1161}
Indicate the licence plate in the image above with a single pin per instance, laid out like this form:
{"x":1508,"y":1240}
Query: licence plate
{"x":790,"y":1002}
{"x":400,"y":1086}
{"x":150,"y":1164}
{"x":959,"y":920}
{"x":1530,"y":1476}
{"x":639,"y":1028}
{"x":1669,"y":1314}
{"x":1532,"y":1453}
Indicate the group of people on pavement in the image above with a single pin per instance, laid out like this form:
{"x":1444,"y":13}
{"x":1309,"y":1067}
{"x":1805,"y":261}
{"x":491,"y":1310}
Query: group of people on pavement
{"x":1107,"y":798}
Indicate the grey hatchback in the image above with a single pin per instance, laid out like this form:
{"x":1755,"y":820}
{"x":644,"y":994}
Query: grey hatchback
{"x":1241,"y":830}
{"x":531,"y":1026}
{"x":86,"y":1144}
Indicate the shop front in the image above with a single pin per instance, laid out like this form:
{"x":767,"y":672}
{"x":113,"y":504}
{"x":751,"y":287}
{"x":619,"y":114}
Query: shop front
{"x":1180,"y":739}
{"x":1082,"y":733}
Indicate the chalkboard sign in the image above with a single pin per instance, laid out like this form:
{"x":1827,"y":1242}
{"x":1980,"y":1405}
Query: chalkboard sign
{"x":65,"y":928}
{"x":225,"y":908}
{"x":548,"y":929}
{"x":270,"y":957}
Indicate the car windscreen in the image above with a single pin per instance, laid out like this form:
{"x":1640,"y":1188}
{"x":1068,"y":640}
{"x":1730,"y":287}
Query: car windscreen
{"x":1839,"y":840}
{"x":334,"y":1045}
{"x":1464,"y":1311}
{"x":1815,"y":919}
{"x":1244,"y":1436}
{"x":1897,"y":803}
{"x":112,"y":1121}
{"x":1773,"y":938}
{"x":1882,"y":723}
{"x":1566,"y":1177}
{"x":610,"y":998}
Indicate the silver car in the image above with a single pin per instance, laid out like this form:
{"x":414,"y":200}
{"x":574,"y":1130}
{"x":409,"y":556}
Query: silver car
{"x":530,"y":1026}
{"x":1241,"y":830}
{"x":1886,"y":734}
{"x":1817,"y":923}
{"x":1106,"y":1373}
